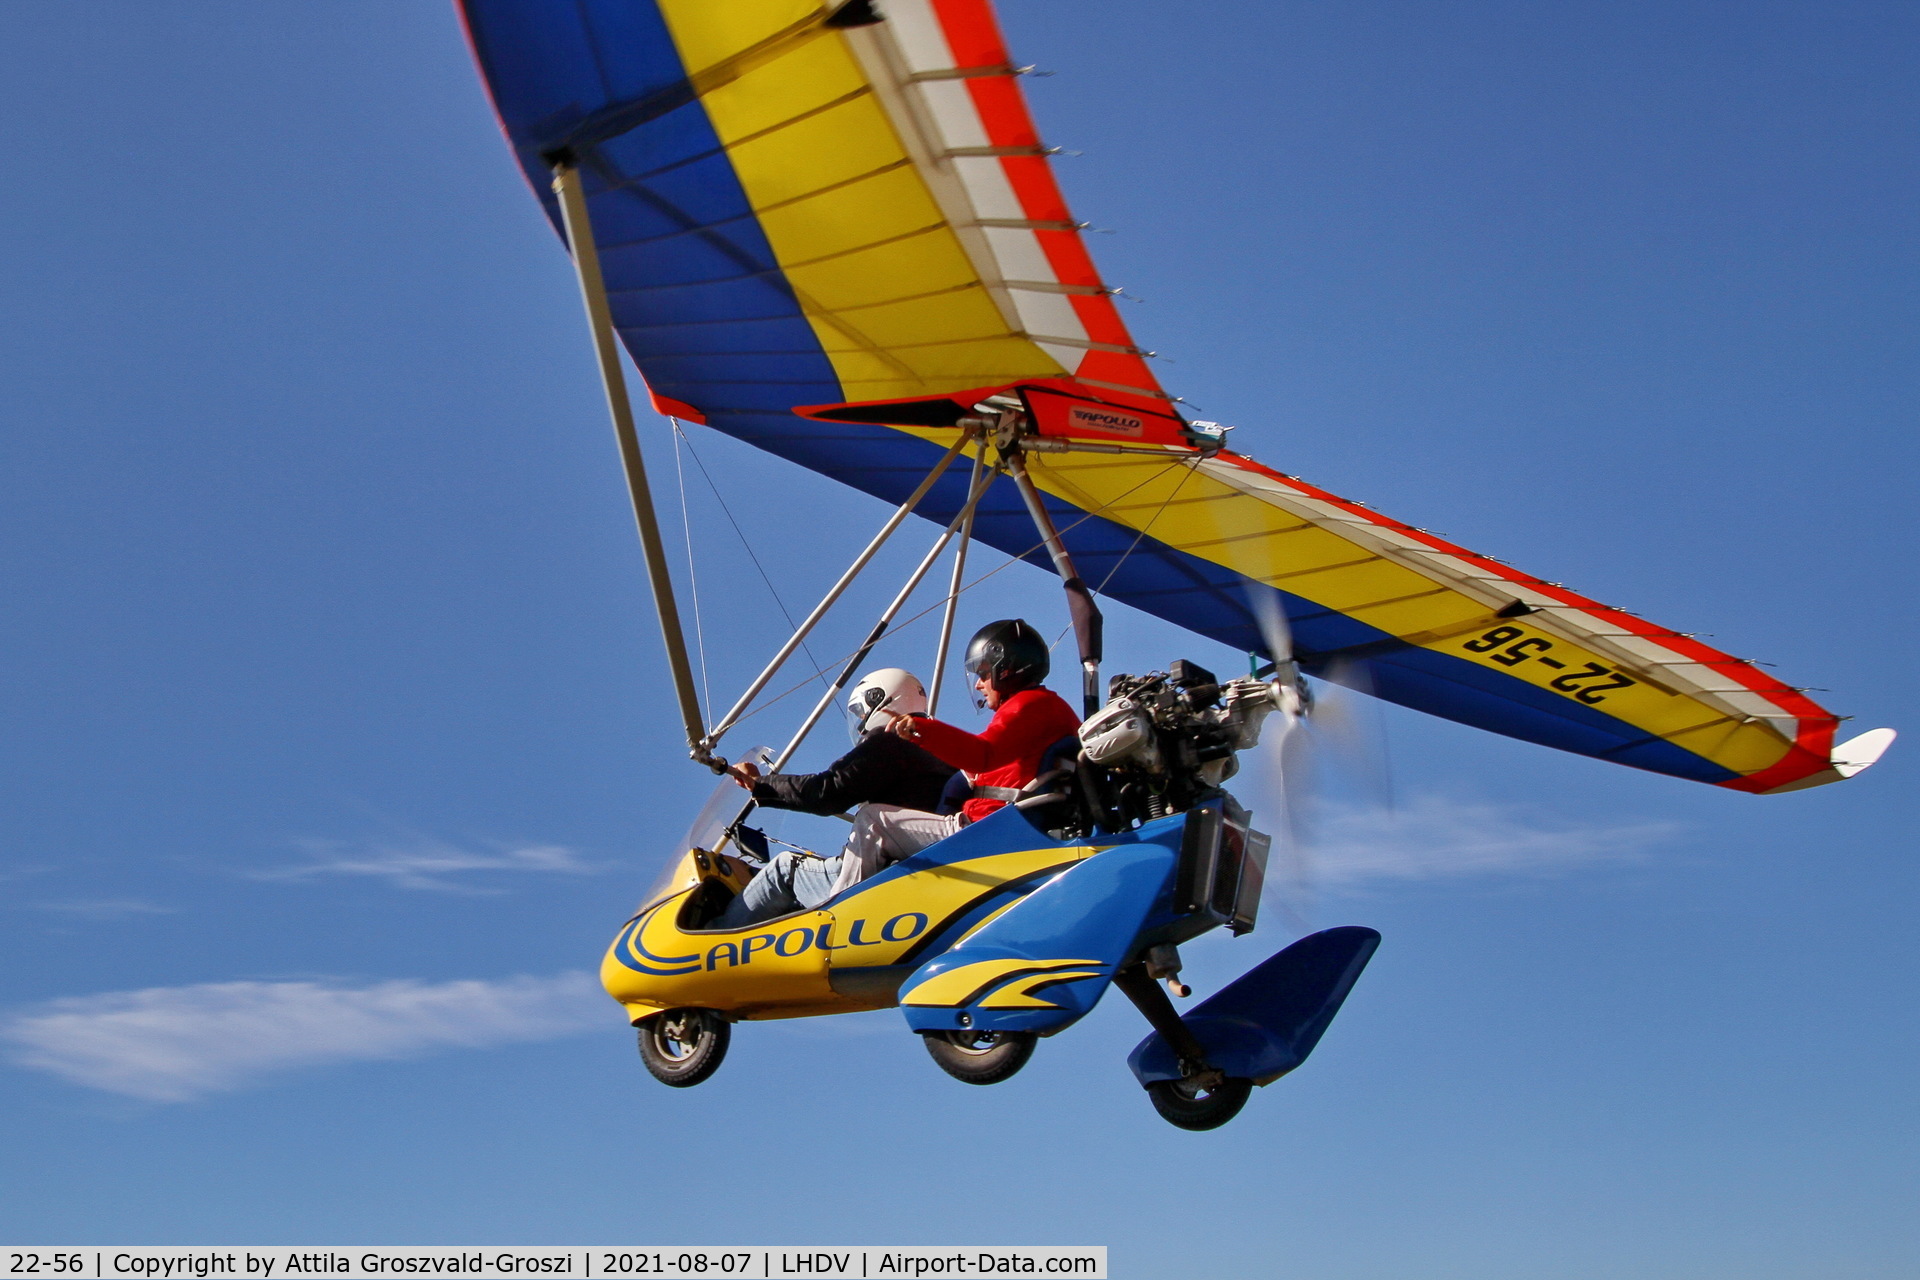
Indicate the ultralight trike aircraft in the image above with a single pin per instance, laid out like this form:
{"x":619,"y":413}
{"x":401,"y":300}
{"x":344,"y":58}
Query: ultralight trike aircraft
{"x":832,"y":231}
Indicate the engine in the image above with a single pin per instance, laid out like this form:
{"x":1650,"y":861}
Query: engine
{"x":1168,"y":739}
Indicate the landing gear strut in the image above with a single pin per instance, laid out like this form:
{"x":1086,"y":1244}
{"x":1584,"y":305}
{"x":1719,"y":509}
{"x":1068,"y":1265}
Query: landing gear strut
{"x":1204,"y":1097}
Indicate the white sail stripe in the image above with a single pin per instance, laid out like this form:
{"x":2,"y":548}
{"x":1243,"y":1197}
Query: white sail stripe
{"x":940,"y":115}
{"x":1050,"y":313}
{"x":952,"y":108}
{"x":917,"y":32}
{"x":993,"y":197}
{"x":1068,"y":357}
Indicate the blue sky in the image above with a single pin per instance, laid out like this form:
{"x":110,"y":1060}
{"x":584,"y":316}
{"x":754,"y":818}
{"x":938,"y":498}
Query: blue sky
{"x":334,"y":725}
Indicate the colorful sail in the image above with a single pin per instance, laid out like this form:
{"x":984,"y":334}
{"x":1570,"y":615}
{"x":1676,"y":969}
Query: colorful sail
{"x":831,"y":230}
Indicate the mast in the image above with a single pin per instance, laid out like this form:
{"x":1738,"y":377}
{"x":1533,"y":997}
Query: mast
{"x":1009,"y":426}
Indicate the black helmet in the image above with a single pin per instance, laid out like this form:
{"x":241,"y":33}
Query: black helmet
{"x":1009,"y":655}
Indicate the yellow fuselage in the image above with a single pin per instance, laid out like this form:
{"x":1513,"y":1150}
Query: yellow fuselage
{"x":844,"y":957}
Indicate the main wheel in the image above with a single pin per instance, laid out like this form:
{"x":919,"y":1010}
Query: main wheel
{"x":1192,"y":1106}
{"x":682,"y":1047}
{"x":980,"y":1057}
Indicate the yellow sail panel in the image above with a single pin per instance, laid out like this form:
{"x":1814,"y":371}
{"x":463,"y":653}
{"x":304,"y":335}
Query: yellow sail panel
{"x":870,"y":207}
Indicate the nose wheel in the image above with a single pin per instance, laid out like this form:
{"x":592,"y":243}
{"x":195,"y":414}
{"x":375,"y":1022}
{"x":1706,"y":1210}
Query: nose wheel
{"x":1198,"y":1103}
{"x":980,"y":1057}
{"x":682,"y":1047}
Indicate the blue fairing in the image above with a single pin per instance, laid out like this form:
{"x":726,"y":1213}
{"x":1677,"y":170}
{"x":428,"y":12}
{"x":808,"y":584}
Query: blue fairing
{"x":1265,"y":1023}
{"x":1045,"y":963}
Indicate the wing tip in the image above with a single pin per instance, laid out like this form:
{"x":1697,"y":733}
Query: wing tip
{"x":1856,"y":755}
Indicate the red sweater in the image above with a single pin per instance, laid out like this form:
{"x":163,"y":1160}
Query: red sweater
{"x":1007,"y":753}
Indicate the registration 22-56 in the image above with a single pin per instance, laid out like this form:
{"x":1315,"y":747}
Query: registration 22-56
{"x":1511,"y":646}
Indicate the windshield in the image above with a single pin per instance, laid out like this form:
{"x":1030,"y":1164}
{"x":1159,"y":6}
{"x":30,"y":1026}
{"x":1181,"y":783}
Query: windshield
{"x":722,"y":809}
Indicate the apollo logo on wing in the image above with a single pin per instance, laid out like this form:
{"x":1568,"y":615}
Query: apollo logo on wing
{"x":1085,"y":418}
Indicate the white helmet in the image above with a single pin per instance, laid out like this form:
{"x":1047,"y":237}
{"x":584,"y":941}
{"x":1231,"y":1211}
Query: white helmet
{"x":888,"y":689}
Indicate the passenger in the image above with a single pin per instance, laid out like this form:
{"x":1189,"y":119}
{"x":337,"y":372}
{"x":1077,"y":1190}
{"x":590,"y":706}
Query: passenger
{"x":882,"y":768}
{"x":1007,"y":661}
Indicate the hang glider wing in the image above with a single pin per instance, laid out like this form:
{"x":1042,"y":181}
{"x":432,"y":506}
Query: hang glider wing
{"x":830,"y":230}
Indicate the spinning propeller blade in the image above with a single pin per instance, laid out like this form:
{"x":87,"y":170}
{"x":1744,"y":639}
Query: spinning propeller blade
{"x":1283,"y":766}
{"x":1329,"y":750}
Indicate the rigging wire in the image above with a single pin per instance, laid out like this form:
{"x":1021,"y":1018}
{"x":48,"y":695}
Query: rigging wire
{"x":1159,"y":511}
{"x":957,"y":577}
{"x":739,"y":533}
{"x":693,"y":578}
{"x":941,"y":602}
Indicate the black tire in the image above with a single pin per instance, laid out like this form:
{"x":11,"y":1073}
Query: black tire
{"x":682,"y":1047}
{"x":980,"y":1057}
{"x":1188,"y":1106}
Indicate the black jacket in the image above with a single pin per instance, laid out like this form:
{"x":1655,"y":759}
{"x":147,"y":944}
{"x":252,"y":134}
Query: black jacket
{"x":882,"y":768}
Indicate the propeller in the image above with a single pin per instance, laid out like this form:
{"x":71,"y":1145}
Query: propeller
{"x":1329,"y":752}
{"x":1282,"y":768}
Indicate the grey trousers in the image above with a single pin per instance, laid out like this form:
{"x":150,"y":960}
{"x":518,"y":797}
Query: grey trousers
{"x":882,"y":835}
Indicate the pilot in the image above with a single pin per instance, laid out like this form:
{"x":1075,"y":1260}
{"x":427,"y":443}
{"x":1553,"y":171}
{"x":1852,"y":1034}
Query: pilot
{"x":882,"y":768}
{"x":1007,"y":661}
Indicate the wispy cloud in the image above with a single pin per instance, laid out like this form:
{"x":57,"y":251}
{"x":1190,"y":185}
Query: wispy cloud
{"x":1437,"y":836}
{"x":106,"y":908}
{"x":424,"y":863}
{"x":172,"y":1044}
